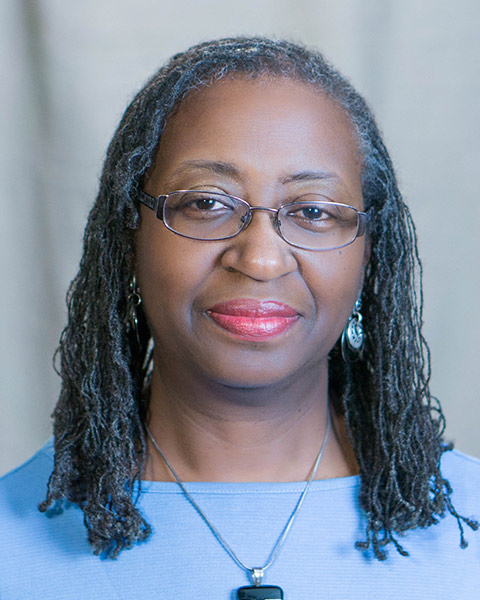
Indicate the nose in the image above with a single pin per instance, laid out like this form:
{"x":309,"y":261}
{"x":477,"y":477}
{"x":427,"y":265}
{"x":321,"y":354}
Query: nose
{"x":258,"y":251}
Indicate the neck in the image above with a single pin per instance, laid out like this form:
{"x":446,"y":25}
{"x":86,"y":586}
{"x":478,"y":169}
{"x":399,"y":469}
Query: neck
{"x":215,"y":432}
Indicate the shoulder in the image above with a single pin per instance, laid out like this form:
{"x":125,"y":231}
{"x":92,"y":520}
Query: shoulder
{"x":453,"y":459}
{"x":39,"y":552}
{"x":21,"y":492}
{"x":463,"y":474}
{"x":26,"y":484}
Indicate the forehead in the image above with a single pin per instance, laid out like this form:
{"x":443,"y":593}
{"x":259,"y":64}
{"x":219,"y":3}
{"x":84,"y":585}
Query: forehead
{"x":264,"y":125}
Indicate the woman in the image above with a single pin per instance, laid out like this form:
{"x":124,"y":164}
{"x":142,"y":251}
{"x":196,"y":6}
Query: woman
{"x":244,"y":338}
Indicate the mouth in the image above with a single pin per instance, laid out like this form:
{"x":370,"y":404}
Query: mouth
{"x":253,"y":320}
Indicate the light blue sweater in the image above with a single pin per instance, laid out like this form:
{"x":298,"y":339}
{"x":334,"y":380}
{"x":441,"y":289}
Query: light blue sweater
{"x":50,"y":559}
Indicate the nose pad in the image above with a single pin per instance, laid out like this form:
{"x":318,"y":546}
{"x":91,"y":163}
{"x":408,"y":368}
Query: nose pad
{"x":275,"y":221}
{"x":246,"y":220}
{"x":258,"y":251}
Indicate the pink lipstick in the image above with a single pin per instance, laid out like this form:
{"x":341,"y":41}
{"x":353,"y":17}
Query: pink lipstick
{"x":253,"y":320}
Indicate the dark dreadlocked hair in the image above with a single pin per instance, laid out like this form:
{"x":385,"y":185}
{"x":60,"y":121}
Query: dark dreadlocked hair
{"x":394,"y":424}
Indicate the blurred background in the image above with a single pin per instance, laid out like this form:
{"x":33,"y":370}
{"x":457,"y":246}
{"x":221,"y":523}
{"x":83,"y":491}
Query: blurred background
{"x":68,"y":70}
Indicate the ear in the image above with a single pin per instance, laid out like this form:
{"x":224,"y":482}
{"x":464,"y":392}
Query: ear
{"x":366,"y":259}
{"x":367,"y":252}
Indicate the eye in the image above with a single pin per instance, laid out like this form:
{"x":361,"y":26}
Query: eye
{"x":207,"y":203}
{"x":308,"y":215}
{"x":201,"y":205}
{"x":312,"y":213}
{"x":320,"y":217}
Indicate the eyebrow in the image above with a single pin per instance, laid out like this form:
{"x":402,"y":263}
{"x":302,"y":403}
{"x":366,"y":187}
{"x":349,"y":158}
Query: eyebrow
{"x":230,"y":170}
{"x":217,"y":167}
{"x":309,"y":176}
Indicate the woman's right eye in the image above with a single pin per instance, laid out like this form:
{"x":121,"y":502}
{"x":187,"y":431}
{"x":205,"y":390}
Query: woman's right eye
{"x":206,"y":203}
{"x":198,"y":205}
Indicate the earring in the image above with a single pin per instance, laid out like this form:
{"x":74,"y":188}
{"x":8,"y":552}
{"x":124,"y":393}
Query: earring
{"x":133,"y":302}
{"x":353,"y":336}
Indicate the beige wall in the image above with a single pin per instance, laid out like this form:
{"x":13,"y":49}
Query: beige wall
{"x":70,"y":68}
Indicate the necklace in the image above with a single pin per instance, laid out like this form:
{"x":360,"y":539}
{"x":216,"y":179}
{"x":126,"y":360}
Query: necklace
{"x":257,"y":591}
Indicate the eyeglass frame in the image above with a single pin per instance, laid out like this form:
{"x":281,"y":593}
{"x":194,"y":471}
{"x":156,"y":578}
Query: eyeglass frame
{"x":157,"y":203}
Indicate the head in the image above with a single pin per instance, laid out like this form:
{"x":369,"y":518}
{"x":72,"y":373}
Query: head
{"x":271,"y":141}
{"x":98,"y":420}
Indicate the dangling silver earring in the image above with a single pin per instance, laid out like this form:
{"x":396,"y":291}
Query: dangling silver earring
{"x":353,"y":336}
{"x":133,"y":302}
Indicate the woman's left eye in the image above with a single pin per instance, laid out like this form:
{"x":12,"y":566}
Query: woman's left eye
{"x":310,"y":213}
{"x":313,"y":213}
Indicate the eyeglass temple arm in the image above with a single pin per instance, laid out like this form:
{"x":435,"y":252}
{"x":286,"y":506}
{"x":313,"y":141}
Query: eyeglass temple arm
{"x":362,"y":223}
{"x":152,"y":202}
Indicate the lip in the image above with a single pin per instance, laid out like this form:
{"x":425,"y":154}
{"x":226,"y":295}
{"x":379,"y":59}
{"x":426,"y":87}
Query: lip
{"x":253,"y":320}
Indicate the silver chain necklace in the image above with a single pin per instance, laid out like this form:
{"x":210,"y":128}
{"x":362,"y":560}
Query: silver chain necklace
{"x":257,"y":592}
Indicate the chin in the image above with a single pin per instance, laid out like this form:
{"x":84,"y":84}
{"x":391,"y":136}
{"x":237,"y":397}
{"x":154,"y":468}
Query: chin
{"x":267,"y":375}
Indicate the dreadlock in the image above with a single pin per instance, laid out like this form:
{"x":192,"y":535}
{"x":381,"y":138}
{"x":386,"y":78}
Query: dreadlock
{"x":394,"y":424}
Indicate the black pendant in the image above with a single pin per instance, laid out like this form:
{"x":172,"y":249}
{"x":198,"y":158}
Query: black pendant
{"x":261,"y":592}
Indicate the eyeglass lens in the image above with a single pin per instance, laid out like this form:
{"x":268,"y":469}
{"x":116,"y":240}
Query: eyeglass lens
{"x":310,"y":223}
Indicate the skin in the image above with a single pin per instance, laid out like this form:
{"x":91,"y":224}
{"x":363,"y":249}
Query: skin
{"x":222,"y":408}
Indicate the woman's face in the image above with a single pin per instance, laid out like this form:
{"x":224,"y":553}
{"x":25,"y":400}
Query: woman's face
{"x":268,"y":141}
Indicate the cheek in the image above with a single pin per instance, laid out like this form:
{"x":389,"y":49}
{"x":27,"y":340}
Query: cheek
{"x":169,"y":272}
{"x":341,"y":269}
{"x":335,"y":282}
{"x":160,"y":259}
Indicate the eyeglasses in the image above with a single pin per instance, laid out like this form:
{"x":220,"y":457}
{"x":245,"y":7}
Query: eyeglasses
{"x":312,"y":222}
